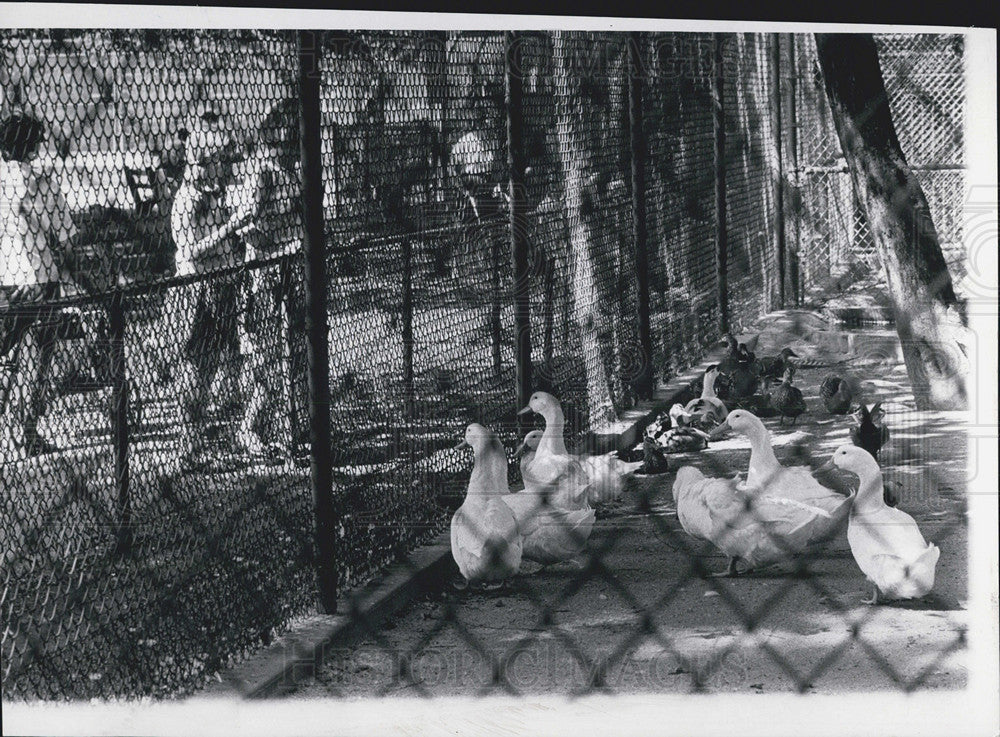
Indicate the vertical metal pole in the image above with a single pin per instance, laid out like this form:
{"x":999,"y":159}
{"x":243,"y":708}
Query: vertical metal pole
{"x":286,"y":340}
{"x":338,"y":185}
{"x":518,"y":221}
{"x":325,"y":522}
{"x":777,"y":175}
{"x":119,"y":418}
{"x":644,"y":382}
{"x":719,"y":129}
{"x":548,"y":308}
{"x":791,"y":108}
{"x":406,"y":325}
{"x":437,"y":49}
{"x":496,"y":329}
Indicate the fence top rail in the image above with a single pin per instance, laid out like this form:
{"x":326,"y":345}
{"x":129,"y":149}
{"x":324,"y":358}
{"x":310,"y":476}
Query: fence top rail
{"x":842,"y":168}
{"x":389,"y":238}
{"x":139,"y":287}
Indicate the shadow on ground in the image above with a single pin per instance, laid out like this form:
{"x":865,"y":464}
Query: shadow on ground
{"x":640,"y":619}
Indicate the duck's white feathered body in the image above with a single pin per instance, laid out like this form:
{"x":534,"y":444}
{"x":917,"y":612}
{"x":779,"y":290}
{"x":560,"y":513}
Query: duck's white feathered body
{"x":886,"y":542}
{"x":574,"y":481}
{"x":799,"y":484}
{"x":891,"y":552}
{"x":550,"y":534}
{"x":772,"y":529}
{"x":794,"y":484}
{"x":486,"y":541}
{"x":700,"y":499}
{"x":562,"y":477}
{"x":577,"y":481}
{"x":526,"y":460}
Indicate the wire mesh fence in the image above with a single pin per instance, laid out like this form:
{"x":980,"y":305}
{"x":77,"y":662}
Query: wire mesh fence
{"x":617,"y":624}
{"x":679,"y":130}
{"x":924,"y":78}
{"x":158,"y":509}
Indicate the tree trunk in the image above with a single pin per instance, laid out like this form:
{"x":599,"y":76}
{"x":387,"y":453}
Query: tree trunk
{"x":580,"y":130}
{"x":930,"y":319}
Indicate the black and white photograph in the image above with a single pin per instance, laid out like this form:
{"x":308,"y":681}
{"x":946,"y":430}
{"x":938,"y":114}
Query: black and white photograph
{"x":410,"y":373}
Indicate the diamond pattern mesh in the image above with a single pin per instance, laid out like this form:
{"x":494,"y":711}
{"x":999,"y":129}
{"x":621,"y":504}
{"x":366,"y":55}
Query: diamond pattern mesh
{"x":156,"y":510}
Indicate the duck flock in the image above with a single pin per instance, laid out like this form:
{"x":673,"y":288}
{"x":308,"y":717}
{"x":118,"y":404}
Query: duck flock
{"x":768,"y":515}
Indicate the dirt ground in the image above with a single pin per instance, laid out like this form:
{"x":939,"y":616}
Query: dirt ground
{"x":642,"y":622}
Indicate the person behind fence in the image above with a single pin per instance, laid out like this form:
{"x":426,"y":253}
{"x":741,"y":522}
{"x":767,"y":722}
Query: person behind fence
{"x":36,"y":239}
{"x":269,"y":193}
{"x":204,"y":228}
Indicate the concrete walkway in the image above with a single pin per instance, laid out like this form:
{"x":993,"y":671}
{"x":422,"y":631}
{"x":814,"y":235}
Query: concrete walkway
{"x":638,"y":622}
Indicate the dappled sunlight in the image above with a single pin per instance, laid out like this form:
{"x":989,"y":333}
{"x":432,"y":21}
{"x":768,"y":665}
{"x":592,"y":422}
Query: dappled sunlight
{"x":289,"y":268}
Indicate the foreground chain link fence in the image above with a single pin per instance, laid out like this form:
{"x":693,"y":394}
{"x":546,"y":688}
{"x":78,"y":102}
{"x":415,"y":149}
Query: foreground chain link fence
{"x":584,"y":214}
{"x":460,"y":644}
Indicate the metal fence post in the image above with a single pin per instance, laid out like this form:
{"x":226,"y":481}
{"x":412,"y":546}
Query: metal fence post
{"x":549,"y":309}
{"x":643,"y":383}
{"x":777,"y":180}
{"x":437,"y":49}
{"x":518,"y":220}
{"x":119,"y":418}
{"x":406,"y":325}
{"x":719,"y":129}
{"x":496,"y":328}
{"x":792,"y":270}
{"x":325,"y":522}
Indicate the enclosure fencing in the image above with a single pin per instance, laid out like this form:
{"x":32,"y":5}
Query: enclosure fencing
{"x":579,"y":213}
{"x":925,"y":79}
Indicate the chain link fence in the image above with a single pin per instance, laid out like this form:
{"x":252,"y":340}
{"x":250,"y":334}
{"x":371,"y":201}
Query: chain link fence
{"x":925,"y":80}
{"x":157,"y":510}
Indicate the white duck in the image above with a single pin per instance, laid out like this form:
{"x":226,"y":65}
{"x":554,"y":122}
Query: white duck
{"x":575,"y":480}
{"x":551,"y":534}
{"x":757,"y":529}
{"x":486,"y":541}
{"x":526,"y":451}
{"x":708,"y":407}
{"x":885,"y":541}
{"x":768,"y":476}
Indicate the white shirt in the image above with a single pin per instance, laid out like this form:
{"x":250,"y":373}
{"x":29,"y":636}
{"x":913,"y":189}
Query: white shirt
{"x":31,"y":209}
{"x":273,"y":194}
{"x":195,"y":215}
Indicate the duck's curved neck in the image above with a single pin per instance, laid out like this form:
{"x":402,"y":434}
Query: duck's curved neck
{"x":479,"y":480}
{"x":489,"y":475}
{"x":708,"y":386}
{"x":553,"y":442}
{"x":763,"y":463}
{"x":870,"y":493}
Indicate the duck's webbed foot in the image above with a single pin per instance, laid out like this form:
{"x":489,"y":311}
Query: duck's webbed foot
{"x":874,"y":597}
{"x":730,"y":572}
